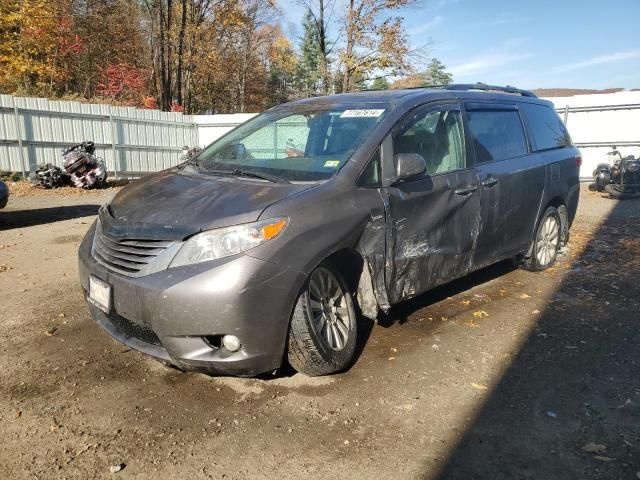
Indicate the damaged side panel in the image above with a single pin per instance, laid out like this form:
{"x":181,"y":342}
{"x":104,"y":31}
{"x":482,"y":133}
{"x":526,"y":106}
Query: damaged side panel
{"x":372,"y":292}
{"x":431,"y":233}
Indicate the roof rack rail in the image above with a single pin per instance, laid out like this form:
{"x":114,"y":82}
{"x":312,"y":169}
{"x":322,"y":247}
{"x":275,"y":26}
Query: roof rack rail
{"x":486,"y":88}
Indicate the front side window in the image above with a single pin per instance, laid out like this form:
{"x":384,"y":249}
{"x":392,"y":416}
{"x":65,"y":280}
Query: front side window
{"x":372,"y":174}
{"x":497,"y":134}
{"x":545,"y":126}
{"x":437,"y":136}
{"x":309,"y":143}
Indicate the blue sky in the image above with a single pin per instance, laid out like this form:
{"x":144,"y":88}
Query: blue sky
{"x":529,"y":44}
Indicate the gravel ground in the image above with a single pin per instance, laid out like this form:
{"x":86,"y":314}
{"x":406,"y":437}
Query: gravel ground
{"x":503,"y":374}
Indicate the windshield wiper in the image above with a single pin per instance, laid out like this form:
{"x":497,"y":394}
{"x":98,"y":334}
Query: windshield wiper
{"x":264,"y":176}
{"x":236,"y":172}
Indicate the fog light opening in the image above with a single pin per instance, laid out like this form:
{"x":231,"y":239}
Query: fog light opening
{"x":231,"y":343}
{"x":214,"y":341}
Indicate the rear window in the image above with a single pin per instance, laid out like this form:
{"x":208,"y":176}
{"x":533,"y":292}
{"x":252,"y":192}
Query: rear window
{"x":497,"y":134}
{"x":545,"y":126}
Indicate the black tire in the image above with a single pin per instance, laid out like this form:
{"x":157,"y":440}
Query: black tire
{"x":33,"y":178}
{"x":546,"y":243}
{"x":620,"y":195}
{"x":312,"y":349}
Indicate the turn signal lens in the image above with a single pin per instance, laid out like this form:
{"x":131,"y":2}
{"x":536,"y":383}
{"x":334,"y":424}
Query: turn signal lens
{"x":578,"y":161}
{"x":272,"y":230}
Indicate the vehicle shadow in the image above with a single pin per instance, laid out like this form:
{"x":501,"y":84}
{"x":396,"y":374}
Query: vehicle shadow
{"x":38,"y":216}
{"x":568,"y":406}
{"x":400,"y":313}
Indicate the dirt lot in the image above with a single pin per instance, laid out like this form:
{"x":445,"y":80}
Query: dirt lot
{"x":505,"y":374}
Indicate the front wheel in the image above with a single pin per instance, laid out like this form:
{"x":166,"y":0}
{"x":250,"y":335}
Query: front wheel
{"x":546,"y":242}
{"x":323,"y":330}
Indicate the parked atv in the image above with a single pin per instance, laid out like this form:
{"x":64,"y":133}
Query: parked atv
{"x":619,"y":177}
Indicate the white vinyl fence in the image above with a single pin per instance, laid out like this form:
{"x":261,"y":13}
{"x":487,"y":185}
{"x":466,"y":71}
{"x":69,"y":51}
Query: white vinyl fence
{"x":598,"y":122}
{"x":135,"y":141}
{"x":212,"y":127}
{"x":132,"y":141}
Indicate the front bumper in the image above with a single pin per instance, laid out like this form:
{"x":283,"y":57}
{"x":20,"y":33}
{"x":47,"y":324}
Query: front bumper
{"x":168,"y":314}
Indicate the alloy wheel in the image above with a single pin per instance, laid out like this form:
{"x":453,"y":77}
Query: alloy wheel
{"x":329,"y":310}
{"x":547,"y":241}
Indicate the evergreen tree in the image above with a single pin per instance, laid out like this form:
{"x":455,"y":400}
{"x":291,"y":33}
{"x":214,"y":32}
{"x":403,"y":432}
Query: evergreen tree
{"x":380,"y":83}
{"x":436,"y":73}
{"x":308,"y":69}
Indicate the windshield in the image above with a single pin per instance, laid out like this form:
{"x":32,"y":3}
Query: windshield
{"x":310,"y":144}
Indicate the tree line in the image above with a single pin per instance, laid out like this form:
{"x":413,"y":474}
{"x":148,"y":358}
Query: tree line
{"x":205,"y":56}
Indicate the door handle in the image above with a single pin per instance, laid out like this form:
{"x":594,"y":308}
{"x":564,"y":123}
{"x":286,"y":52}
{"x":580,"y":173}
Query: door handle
{"x":489,"y":182}
{"x":465,"y":189}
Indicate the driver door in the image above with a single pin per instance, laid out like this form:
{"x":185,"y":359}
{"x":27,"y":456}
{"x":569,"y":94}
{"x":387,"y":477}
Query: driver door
{"x":433,"y":219}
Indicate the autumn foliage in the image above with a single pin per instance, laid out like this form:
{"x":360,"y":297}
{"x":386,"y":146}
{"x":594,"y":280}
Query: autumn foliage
{"x":196,"y":56}
{"x":121,"y":82}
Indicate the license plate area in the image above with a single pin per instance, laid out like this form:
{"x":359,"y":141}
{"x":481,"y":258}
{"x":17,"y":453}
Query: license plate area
{"x":99,"y":294}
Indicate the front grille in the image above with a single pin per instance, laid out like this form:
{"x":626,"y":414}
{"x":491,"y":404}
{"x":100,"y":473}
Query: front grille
{"x":137,"y":330}
{"x":126,"y":256}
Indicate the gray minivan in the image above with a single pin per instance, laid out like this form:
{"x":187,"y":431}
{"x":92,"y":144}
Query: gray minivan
{"x":268,"y":245}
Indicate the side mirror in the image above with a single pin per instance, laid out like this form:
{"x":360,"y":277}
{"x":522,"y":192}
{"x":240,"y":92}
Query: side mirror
{"x":409,"y":165}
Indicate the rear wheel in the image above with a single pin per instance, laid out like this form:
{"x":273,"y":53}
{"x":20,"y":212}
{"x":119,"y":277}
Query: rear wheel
{"x":323,"y":330}
{"x":546,"y":242}
{"x":614,"y":191}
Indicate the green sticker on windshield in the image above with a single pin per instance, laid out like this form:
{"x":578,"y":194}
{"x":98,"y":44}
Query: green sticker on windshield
{"x":331,"y":163}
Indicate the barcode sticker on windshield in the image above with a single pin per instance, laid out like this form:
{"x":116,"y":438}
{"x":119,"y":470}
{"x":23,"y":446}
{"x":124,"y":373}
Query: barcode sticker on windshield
{"x":361,"y":113}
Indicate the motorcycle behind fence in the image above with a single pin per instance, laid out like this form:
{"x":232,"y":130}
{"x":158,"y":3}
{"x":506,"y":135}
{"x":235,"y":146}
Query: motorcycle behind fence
{"x":82,"y":169}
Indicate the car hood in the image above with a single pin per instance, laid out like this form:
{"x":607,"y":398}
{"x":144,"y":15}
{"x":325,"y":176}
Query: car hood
{"x":172,"y":205}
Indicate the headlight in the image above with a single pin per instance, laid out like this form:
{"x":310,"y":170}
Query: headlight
{"x":633,"y":166}
{"x":227,"y":241}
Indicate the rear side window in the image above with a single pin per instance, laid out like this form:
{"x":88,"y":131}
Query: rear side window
{"x":497,"y":134}
{"x":545,"y":126}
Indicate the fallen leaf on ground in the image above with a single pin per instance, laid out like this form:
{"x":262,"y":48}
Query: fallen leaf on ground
{"x":604,"y":459}
{"x":465,"y":302}
{"x":524,"y":295}
{"x":479,"y":386}
{"x":594,"y":448}
{"x":480,"y":314}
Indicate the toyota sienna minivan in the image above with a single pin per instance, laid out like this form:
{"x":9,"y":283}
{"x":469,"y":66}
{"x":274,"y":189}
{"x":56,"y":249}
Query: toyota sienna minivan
{"x":267,"y":246}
